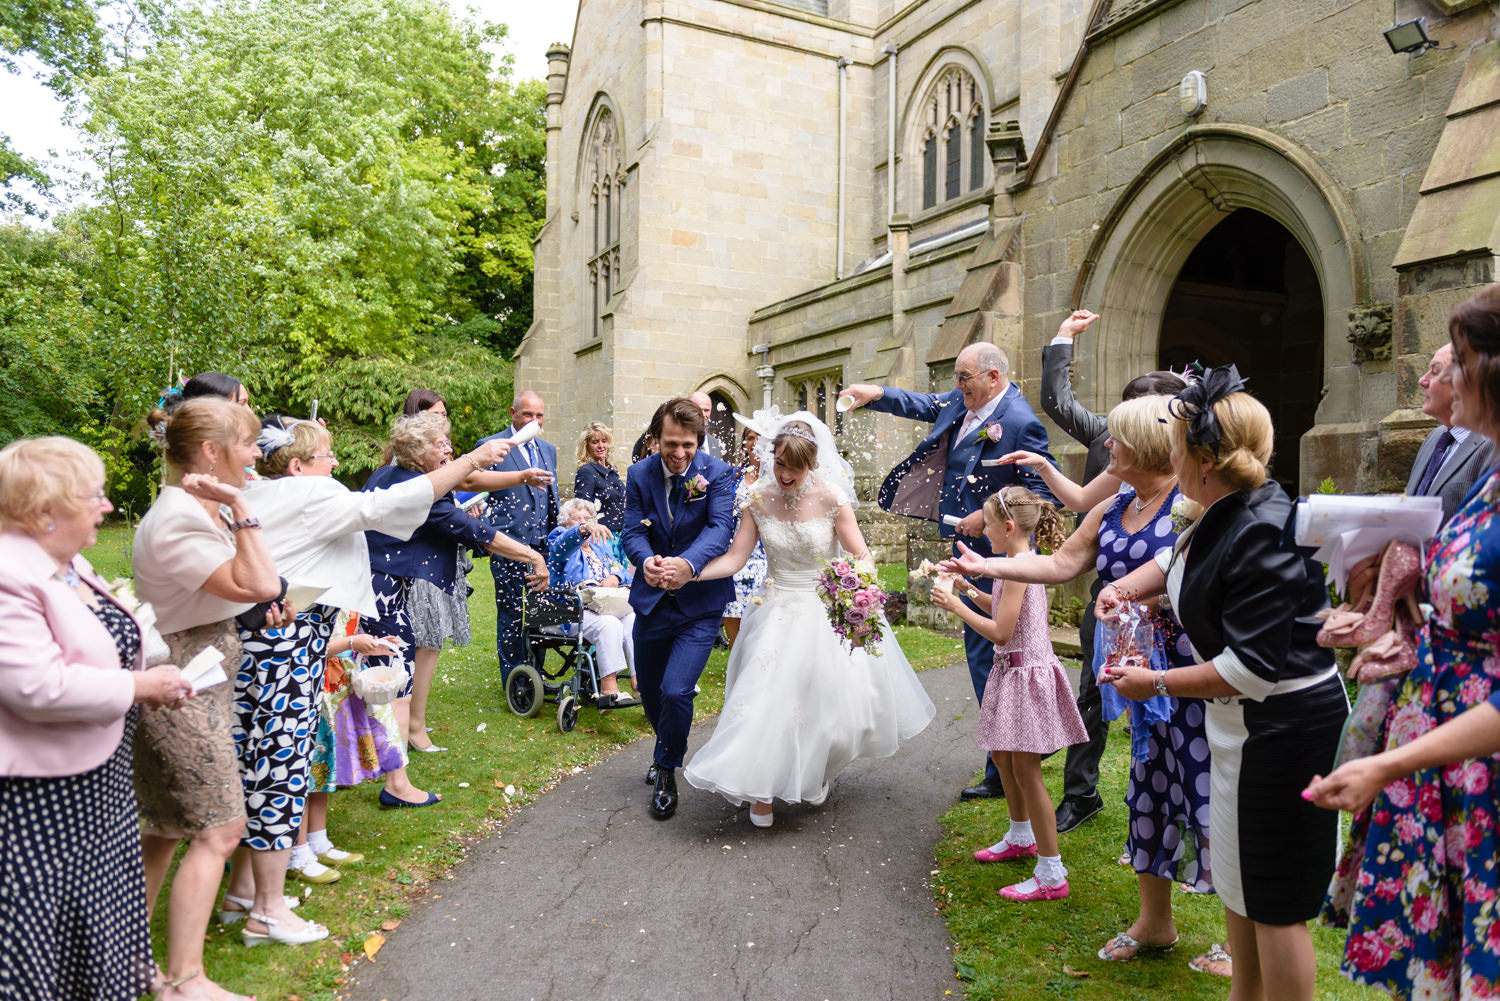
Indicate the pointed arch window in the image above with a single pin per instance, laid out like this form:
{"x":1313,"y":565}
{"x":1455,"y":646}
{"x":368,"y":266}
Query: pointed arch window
{"x":606,"y":178}
{"x":953,"y":158}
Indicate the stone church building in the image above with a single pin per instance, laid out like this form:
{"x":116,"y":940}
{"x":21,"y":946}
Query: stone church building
{"x":768,"y":200}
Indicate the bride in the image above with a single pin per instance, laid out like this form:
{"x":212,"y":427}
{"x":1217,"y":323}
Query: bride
{"x":799,"y":705}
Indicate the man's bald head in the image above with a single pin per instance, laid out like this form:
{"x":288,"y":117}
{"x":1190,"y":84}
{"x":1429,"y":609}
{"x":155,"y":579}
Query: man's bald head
{"x":527,"y":407}
{"x":703,"y":402}
{"x":981,"y":372}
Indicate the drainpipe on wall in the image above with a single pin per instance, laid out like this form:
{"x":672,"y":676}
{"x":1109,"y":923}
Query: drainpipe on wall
{"x":843,"y":138}
{"x":890,"y":155}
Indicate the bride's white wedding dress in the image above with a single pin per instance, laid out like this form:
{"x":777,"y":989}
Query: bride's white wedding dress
{"x":798,"y":704}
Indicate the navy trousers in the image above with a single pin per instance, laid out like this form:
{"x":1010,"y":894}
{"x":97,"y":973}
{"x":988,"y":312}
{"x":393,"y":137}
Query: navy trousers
{"x":979,"y":651}
{"x":510,"y":584}
{"x":671,"y":651}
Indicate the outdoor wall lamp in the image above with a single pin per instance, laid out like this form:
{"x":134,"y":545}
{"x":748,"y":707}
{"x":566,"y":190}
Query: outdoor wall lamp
{"x":1409,"y":36}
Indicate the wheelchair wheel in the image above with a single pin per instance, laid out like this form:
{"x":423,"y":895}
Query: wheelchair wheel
{"x":567,"y":714}
{"x":523,"y":690}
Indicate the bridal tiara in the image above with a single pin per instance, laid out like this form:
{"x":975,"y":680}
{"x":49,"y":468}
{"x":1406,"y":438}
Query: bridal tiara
{"x":797,"y":433}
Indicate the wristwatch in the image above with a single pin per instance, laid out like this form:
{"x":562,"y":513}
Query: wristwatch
{"x":251,"y":522}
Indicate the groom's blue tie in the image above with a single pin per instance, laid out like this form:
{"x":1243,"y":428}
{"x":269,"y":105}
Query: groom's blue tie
{"x":674,"y":497}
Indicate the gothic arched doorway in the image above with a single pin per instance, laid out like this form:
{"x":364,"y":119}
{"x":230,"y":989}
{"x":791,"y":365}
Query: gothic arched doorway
{"x":1249,"y":294}
{"x":721,"y":423}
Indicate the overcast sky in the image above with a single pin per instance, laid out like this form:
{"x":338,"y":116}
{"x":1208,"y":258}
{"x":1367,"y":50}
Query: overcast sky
{"x":33,"y":117}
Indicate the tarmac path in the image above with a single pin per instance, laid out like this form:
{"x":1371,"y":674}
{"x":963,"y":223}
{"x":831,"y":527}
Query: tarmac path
{"x":582,"y":895}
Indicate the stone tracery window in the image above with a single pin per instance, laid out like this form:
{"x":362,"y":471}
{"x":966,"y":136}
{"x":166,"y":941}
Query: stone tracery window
{"x":818,"y":393}
{"x":605,"y":174}
{"x":952,"y":137}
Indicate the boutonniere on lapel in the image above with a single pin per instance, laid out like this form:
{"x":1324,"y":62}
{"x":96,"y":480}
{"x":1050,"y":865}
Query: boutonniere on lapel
{"x":990,"y":432}
{"x":696,"y":487}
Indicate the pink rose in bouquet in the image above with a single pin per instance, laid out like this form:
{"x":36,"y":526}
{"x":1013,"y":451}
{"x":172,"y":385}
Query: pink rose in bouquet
{"x":855,"y":600}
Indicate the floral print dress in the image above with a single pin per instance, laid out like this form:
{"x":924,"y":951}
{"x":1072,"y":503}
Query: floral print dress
{"x":1423,"y":921}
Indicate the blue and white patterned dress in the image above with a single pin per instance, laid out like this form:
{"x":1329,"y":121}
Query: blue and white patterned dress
{"x":1169,"y":777}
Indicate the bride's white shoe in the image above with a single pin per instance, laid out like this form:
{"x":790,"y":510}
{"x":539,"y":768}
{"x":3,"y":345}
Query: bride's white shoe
{"x":820,"y":798}
{"x":762,"y":819}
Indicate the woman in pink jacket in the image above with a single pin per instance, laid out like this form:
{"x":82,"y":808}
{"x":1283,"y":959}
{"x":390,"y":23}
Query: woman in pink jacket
{"x":70,"y":675}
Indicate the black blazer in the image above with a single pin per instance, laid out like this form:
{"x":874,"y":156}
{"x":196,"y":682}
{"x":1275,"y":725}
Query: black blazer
{"x":1059,"y":403}
{"x":604,"y":487}
{"x":1243,"y":592}
{"x":432,"y":551}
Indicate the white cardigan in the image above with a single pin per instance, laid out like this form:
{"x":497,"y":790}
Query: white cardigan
{"x":315,"y":529}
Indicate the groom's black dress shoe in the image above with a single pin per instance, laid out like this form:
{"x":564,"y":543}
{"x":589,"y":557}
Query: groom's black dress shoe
{"x":664,"y":799}
{"x":651,"y":776}
{"x":1074,"y":810}
{"x":986,"y":789}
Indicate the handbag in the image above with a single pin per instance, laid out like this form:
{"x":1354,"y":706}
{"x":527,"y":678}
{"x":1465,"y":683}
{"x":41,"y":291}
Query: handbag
{"x":613,"y":601}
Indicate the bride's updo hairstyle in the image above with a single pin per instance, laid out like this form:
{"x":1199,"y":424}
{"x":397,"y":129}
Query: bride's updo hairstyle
{"x":1032,"y":515}
{"x":795,"y":446}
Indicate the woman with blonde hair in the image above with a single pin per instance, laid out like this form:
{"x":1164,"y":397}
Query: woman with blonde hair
{"x":199,"y":568}
{"x":1275,"y":702}
{"x":71,"y":674}
{"x":597,"y":479}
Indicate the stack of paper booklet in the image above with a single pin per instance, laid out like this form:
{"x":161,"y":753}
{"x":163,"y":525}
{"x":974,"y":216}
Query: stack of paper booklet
{"x":1346,"y":528}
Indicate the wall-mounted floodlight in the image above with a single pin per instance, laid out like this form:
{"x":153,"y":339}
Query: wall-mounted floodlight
{"x":1410,"y":36}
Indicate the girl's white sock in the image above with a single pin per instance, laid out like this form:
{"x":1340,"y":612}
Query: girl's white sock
{"x":1050,"y":871}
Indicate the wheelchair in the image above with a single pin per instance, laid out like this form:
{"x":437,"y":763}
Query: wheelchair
{"x":552,"y":620}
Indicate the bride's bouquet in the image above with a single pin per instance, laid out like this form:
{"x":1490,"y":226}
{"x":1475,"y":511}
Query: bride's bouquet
{"x":855,"y":602}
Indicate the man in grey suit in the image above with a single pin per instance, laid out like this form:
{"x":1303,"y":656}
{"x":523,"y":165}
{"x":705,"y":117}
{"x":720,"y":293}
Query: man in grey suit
{"x":1081,"y":799}
{"x":705,"y":405}
{"x":1452,"y":458}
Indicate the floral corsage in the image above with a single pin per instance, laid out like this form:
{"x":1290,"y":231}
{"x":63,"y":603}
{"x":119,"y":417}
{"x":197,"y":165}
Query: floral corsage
{"x":990,"y":432}
{"x":1184,"y":513}
{"x":696,"y":487}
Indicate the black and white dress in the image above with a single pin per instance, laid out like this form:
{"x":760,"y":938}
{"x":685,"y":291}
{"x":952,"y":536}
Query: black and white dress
{"x":1247,"y":607}
{"x":73,"y":921}
{"x":277,"y":691}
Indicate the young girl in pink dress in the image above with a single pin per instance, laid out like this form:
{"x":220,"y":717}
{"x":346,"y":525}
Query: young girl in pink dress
{"x":1028,"y":710}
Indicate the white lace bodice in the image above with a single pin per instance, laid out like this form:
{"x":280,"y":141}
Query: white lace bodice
{"x":798,"y":536}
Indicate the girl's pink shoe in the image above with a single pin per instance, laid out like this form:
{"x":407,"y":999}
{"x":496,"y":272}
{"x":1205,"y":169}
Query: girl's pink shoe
{"x":1011,"y":852}
{"x":1040,"y":893}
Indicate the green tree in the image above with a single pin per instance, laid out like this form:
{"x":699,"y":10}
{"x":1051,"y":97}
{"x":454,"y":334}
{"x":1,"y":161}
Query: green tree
{"x":293,"y":190}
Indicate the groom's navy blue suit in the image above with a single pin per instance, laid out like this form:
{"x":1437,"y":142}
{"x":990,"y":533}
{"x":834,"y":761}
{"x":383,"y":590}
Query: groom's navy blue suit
{"x":675,"y":630}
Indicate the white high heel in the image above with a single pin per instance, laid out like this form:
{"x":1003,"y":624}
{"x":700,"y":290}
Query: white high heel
{"x":310,"y":933}
{"x":227,"y":916}
{"x":820,"y":798}
{"x":762,"y":819}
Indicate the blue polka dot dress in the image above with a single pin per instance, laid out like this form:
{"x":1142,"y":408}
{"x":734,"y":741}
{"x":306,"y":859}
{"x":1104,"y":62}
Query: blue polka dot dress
{"x":1168,"y":792}
{"x":73,"y":921}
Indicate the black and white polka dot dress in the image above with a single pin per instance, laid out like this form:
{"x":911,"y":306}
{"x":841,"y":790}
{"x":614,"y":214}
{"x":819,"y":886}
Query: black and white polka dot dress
{"x":73,"y":923}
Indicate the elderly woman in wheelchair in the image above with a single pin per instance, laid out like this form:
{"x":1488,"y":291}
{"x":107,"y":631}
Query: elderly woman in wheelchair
{"x":607,"y":622}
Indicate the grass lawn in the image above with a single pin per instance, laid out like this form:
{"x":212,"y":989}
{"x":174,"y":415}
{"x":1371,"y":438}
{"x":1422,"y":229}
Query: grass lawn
{"x":491,"y":750}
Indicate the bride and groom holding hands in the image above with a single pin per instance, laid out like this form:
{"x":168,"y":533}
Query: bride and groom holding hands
{"x":799,"y":705}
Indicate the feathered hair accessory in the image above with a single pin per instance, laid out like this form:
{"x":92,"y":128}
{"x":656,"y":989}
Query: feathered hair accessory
{"x":273,"y":436}
{"x":1195,"y":404}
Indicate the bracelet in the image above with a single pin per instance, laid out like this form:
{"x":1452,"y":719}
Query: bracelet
{"x":477,"y":466}
{"x":251,"y":522}
{"x":1161,"y":682}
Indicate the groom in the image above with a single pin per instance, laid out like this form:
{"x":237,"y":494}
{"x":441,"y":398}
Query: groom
{"x":679,"y":514}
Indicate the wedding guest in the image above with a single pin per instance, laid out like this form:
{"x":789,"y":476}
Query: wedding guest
{"x":1081,"y":800}
{"x":749,"y":580}
{"x":645,"y":445}
{"x":524,"y":513}
{"x":438,"y":617}
{"x":1421,"y":924}
{"x":1452,"y":457}
{"x":948,"y":475}
{"x":597,"y":478}
{"x":705,"y":405}
{"x":199,"y":569}
{"x":1274,"y":699}
{"x":597,"y":561}
{"x":71,"y":672}
{"x":218,"y":384}
{"x":1167,"y":794}
{"x":421,"y":447}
